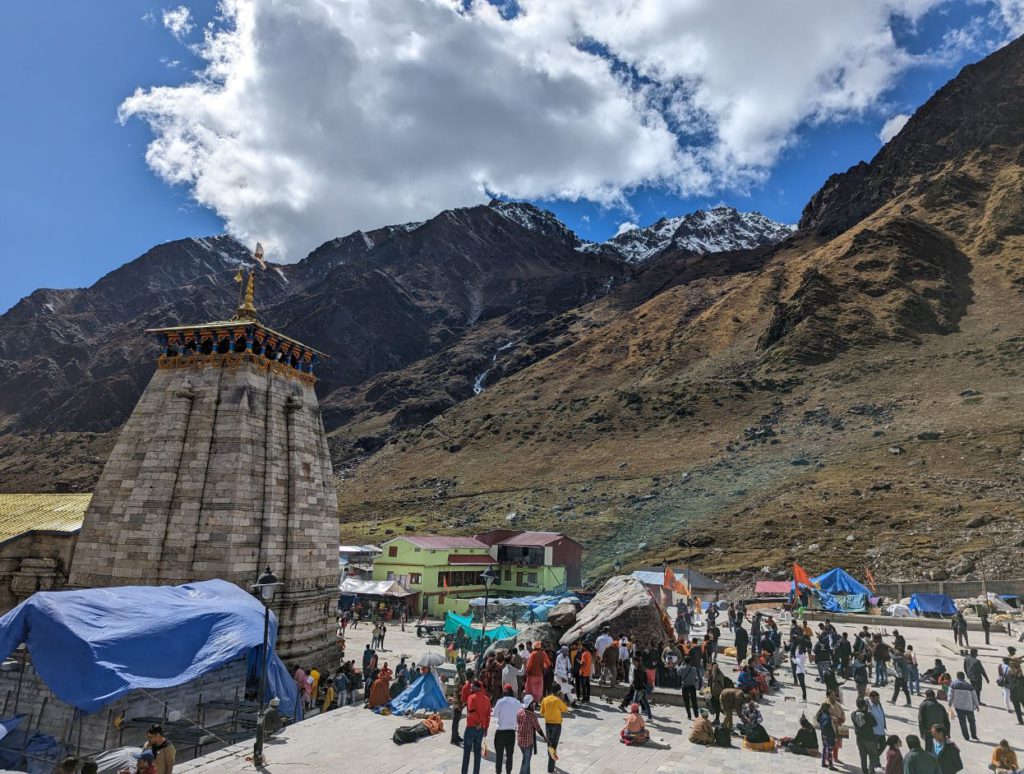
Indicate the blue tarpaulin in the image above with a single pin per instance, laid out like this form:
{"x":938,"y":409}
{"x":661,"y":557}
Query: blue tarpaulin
{"x":423,"y":693}
{"x":839,"y":581}
{"x":94,"y":645}
{"x":925,"y":604}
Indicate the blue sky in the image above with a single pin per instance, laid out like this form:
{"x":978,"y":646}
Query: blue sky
{"x":79,"y":198}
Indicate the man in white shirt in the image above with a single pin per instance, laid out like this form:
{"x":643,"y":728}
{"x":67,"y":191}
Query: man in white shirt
{"x":563,"y":675}
{"x":510,"y":676}
{"x":505,"y":711}
{"x":602,"y":642}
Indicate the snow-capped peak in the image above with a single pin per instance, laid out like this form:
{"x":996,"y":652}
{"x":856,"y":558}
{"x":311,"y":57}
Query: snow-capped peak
{"x":535,"y":219}
{"x":705,"y":231}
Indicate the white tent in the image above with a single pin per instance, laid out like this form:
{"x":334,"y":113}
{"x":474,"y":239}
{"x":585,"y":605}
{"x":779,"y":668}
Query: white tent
{"x":385,"y":588}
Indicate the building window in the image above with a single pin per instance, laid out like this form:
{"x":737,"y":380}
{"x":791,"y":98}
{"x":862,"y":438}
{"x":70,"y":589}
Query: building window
{"x":391,"y":575}
{"x":531,"y":578}
{"x":392,"y":550}
{"x":414,"y":578}
{"x":508,"y":575}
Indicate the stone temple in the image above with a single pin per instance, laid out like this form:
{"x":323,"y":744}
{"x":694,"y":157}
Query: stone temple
{"x":221,"y":470}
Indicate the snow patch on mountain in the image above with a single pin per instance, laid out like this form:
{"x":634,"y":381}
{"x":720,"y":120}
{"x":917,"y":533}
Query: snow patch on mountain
{"x":705,"y":231}
{"x":535,"y":219}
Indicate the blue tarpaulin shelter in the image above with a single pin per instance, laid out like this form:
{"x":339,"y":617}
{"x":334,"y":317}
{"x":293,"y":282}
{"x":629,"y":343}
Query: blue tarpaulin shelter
{"x":932,"y":604}
{"x":424,"y":693}
{"x":839,"y":581}
{"x":452,"y":623}
{"x":22,"y":749}
{"x":95,"y":645}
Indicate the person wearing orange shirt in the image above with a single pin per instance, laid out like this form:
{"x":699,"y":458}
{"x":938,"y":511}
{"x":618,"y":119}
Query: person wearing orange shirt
{"x":478,"y":718}
{"x":536,"y":664}
{"x":586,"y":669}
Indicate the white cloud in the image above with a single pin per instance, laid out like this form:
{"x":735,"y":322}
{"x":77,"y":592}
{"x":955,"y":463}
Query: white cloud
{"x":1011,"y":13}
{"x":317,"y":117}
{"x":892,"y":127}
{"x":626,"y":226}
{"x":178,"y":21}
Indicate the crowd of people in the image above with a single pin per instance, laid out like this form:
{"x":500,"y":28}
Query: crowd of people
{"x":525,"y":693}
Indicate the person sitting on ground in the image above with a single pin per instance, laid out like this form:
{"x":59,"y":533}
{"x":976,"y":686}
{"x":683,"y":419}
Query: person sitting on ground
{"x":634,"y":732}
{"x":702,"y":732}
{"x":745,"y":682}
{"x":806,"y":740}
{"x":272,"y":720}
{"x":750,"y":727}
{"x":758,"y":740}
{"x":932,"y":675}
{"x":1004,"y":759}
{"x":380,"y":694}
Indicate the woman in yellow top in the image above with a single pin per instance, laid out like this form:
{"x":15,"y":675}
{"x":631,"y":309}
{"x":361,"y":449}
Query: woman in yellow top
{"x":1004,"y":759}
{"x":551,"y":709}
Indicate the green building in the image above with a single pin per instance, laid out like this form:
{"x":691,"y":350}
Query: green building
{"x":444,"y":572}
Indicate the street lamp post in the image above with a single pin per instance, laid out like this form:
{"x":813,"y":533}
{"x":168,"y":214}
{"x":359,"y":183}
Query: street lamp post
{"x":266,"y":586}
{"x":488,"y":576}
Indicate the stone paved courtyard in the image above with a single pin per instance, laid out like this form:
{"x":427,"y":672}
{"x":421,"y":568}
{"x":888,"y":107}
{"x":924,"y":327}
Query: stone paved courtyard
{"x":356,"y":740}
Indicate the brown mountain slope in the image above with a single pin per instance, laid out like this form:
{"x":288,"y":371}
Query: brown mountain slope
{"x":853,"y":401}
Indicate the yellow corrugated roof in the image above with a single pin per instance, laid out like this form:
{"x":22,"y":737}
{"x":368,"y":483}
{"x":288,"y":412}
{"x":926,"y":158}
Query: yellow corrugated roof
{"x":21,"y":513}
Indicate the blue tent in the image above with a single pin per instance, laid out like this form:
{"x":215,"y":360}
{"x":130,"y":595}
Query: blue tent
{"x":839,"y":581}
{"x":424,"y":693}
{"x":932,"y":604}
{"x":94,"y":645}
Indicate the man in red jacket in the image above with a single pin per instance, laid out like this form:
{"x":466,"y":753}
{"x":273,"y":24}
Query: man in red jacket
{"x":478,"y":718}
{"x":535,"y":666}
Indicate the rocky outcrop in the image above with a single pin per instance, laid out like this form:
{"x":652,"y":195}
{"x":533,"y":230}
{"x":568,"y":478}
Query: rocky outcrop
{"x":562,"y":616}
{"x":623,"y":606}
{"x":980,"y":108}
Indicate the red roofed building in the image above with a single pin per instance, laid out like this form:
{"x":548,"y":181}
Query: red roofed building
{"x":518,"y":549}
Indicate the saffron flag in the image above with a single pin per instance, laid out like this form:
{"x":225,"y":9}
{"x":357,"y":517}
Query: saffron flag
{"x":670,"y":579}
{"x":801,"y":578}
{"x":681,"y":588}
{"x":871,"y":580}
{"x":444,"y":579}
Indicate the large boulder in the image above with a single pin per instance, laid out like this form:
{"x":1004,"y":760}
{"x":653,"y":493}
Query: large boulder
{"x":562,"y":616}
{"x":626,"y":607}
{"x":536,"y":631}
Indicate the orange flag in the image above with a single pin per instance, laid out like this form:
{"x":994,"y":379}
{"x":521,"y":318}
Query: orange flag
{"x":871,"y":580}
{"x":681,"y":588}
{"x":801,"y":578}
{"x":670,"y":579}
{"x":444,"y":579}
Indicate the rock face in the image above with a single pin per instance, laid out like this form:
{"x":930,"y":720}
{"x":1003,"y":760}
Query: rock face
{"x":562,"y":616}
{"x":979,"y":108}
{"x":623,"y":605}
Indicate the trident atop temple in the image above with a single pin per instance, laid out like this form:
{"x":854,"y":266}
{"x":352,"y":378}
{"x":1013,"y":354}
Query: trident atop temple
{"x":246,"y":311}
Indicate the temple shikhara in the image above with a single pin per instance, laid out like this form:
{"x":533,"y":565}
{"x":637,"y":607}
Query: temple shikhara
{"x":221,"y":470}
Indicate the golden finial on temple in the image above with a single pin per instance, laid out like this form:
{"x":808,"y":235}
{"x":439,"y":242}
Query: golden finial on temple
{"x":246,"y":310}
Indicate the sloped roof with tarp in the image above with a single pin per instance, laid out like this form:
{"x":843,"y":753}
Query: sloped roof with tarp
{"x":839,"y":581}
{"x":385,"y":588}
{"x":937,"y":604}
{"x":695,"y":580}
{"x":93,"y":645}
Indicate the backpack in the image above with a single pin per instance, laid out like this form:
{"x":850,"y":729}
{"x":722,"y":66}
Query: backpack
{"x":723,"y":737}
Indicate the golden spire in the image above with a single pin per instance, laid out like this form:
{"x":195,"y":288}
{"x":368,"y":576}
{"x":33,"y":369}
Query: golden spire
{"x":246,"y":312}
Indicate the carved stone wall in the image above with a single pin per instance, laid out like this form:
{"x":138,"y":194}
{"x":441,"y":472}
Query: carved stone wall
{"x":219,"y":472}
